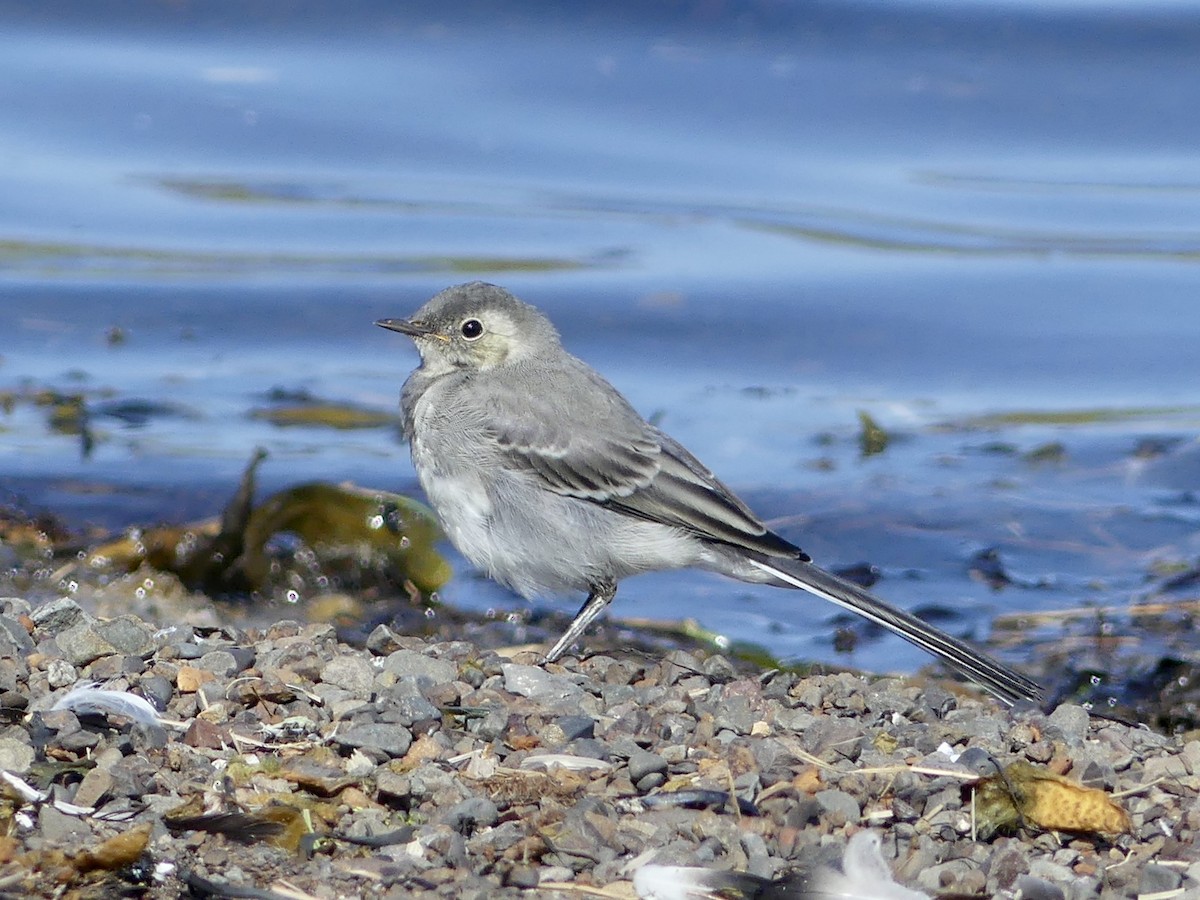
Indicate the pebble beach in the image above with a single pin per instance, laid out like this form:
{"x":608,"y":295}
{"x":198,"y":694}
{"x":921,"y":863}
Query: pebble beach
{"x":284,"y":762}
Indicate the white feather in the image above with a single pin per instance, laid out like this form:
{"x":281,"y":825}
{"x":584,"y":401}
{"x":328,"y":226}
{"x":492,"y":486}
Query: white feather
{"x":865,"y":874}
{"x":85,"y":698}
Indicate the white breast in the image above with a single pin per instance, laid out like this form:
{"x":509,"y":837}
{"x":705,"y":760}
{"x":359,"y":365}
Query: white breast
{"x":452,"y":485}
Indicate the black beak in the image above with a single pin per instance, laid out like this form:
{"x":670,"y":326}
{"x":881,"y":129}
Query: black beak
{"x":404,"y":326}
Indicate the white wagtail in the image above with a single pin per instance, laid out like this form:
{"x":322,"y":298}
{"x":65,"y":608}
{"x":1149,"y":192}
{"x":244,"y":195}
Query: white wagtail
{"x":545,"y":477}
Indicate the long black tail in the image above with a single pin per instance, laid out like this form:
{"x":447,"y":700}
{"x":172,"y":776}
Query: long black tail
{"x":998,"y":679}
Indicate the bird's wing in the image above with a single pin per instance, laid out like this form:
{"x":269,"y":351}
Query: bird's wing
{"x":686,"y":494}
{"x":594,"y":446}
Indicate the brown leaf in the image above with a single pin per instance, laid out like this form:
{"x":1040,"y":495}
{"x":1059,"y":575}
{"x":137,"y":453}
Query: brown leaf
{"x":117,"y":852}
{"x":1023,"y":793}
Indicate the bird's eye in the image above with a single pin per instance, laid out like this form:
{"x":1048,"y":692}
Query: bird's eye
{"x":471,"y":329}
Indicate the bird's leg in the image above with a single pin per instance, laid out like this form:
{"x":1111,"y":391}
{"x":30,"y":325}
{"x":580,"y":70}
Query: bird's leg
{"x":600,"y":596}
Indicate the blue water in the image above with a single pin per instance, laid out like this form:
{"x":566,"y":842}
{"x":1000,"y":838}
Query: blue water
{"x":757,"y":218}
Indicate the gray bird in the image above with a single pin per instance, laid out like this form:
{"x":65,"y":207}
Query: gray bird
{"x":545,"y":477}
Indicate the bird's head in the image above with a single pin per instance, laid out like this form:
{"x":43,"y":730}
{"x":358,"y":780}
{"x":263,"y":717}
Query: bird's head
{"x":475,"y":326}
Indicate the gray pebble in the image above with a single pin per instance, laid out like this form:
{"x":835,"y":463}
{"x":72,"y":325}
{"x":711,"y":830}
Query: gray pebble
{"x":792,"y":721}
{"x":58,"y":615}
{"x":428,"y":780}
{"x":1071,"y":721}
{"x":839,"y":806}
{"x":221,"y":662}
{"x":649,"y":782}
{"x":59,"y":829}
{"x":15,"y":606}
{"x":60,"y":673}
{"x":13,"y":672}
{"x":404,"y":703}
{"x":490,"y":725}
{"x":187,"y":650}
{"x":978,"y":760}
{"x":157,"y":689}
{"x":77,"y":740}
{"x":522,"y":876}
{"x":353,"y":673}
{"x":14,"y":639}
{"x":133,"y":776}
{"x":376,"y":738}
{"x":575,"y":727}
{"x":382,"y":641}
{"x":86,"y":641}
{"x":642,"y":763}
{"x":1164,"y":767}
{"x":591,"y":748}
{"x":1156,"y":879}
{"x":679,"y":664}
{"x":243,"y":657}
{"x":495,"y":841}
{"x":16,"y":755}
{"x":555,"y":874}
{"x":1031,"y":887}
{"x":718,"y":668}
{"x":1191,"y":757}
{"x":938,"y":702}
{"x":734,"y":714}
{"x":834,"y":737}
{"x":471,"y":814}
{"x":94,"y":786}
{"x":410,"y":662}
{"x":539,"y":685}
